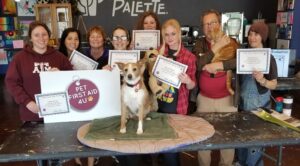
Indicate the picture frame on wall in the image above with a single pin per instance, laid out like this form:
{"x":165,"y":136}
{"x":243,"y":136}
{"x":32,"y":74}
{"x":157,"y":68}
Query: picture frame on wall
{"x":24,"y":27}
{"x":26,"y":7}
{"x":8,"y":7}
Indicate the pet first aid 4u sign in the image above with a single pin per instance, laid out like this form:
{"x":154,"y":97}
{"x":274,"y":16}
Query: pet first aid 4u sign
{"x":92,"y":93}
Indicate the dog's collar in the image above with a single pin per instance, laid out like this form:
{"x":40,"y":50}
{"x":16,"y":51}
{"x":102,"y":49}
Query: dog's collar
{"x":136,"y":86}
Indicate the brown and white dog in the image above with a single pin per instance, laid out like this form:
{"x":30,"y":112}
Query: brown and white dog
{"x":135,"y":98}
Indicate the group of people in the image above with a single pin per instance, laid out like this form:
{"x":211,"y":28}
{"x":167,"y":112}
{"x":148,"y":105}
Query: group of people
{"x":252,"y":90}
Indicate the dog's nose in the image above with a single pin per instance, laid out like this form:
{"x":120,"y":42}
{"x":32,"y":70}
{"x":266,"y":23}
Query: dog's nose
{"x":129,"y":76}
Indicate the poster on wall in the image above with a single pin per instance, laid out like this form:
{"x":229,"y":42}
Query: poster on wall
{"x":26,"y":7}
{"x":6,"y":38}
{"x":3,"y":57}
{"x":7,"y":23}
{"x":92,"y":93}
{"x":8,"y":7}
{"x":24,"y":27}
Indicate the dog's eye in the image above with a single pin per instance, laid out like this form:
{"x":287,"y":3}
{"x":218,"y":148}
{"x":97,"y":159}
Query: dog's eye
{"x":126,"y":70}
{"x":134,"y":69}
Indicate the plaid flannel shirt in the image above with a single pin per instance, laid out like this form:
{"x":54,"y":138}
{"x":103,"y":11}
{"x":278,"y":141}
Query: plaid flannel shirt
{"x":185,"y":57}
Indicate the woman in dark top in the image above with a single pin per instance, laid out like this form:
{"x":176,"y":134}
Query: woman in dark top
{"x":255,"y":91}
{"x":70,"y":41}
{"x":96,"y":39}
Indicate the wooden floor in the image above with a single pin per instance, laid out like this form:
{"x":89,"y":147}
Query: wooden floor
{"x":9,"y":122}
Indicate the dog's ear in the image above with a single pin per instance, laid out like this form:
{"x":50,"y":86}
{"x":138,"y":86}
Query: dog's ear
{"x":120,"y":65}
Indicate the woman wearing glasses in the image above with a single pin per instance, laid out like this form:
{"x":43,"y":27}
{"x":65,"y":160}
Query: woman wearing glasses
{"x":120,"y":38}
{"x":120,"y":41}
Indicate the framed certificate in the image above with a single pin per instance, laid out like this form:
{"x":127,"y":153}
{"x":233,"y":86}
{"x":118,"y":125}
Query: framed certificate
{"x":82,"y":62}
{"x":146,"y":39}
{"x":124,"y":56}
{"x":255,"y":59}
{"x":52,"y":103}
{"x":168,"y":70}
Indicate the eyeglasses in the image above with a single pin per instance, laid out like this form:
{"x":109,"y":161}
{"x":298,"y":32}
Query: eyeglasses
{"x":213,"y":23}
{"x":122,"y":38}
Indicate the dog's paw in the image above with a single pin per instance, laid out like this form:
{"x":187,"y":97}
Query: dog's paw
{"x":148,"y":118}
{"x":139,"y":131}
{"x":123,"y":131}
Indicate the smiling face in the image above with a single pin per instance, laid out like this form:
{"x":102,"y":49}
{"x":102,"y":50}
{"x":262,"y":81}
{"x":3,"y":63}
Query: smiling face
{"x":96,"y":40}
{"x":171,"y":37}
{"x":120,"y":39}
{"x":255,"y":40}
{"x":72,"y":41}
{"x":39,"y":38}
{"x":149,"y":23}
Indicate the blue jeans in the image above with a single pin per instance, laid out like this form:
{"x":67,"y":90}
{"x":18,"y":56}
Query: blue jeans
{"x":251,"y":100}
{"x":250,"y":156}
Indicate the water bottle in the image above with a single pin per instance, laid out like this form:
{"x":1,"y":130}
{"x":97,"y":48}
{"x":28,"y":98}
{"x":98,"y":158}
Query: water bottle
{"x":287,"y":105}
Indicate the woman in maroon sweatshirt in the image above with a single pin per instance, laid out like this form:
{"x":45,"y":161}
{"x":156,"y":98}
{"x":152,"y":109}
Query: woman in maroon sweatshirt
{"x":22,"y":78}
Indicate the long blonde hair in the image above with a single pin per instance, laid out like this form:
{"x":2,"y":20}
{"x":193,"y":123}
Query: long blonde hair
{"x":175,"y":24}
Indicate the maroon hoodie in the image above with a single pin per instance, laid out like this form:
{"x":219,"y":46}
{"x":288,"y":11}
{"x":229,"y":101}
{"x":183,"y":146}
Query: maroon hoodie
{"x":22,"y":78}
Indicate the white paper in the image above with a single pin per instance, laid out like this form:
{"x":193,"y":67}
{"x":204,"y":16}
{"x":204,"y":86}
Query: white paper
{"x":124,"y":56}
{"x":168,"y":70}
{"x":146,"y":39}
{"x":52,"y":103}
{"x":256,"y":59}
{"x":82,"y":62}
{"x":108,"y":88}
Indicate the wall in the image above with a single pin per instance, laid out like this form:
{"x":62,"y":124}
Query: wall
{"x":111,"y":12}
{"x":295,"y":43}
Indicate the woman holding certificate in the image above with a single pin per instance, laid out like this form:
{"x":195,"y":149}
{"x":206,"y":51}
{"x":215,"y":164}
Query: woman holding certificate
{"x":96,"y":38}
{"x":70,"y":40}
{"x":175,"y":101}
{"x":147,"y":21}
{"x":255,"y":91}
{"x":22,"y":77}
{"x":120,"y":41}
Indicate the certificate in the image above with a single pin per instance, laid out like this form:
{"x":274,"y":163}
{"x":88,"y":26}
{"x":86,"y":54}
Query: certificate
{"x":123,"y":56}
{"x":146,"y":39}
{"x":256,"y":59}
{"x":168,"y":70}
{"x":82,"y":62}
{"x":52,"y":103}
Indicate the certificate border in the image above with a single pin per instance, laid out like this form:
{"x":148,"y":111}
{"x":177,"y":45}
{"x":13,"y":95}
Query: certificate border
{"x":267,"y":50}
{"x":77,"y":53}
{"x":38,"y":96}
{"x":123,"y":52}
{"x":159,"y":58}
{"x":134,"y":32}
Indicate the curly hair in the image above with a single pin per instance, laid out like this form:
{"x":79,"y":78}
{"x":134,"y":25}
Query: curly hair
{"x":140,"y":23}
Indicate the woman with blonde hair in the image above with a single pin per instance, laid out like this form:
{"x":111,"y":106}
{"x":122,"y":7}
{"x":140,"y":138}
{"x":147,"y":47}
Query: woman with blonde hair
{"x":175,"y":101}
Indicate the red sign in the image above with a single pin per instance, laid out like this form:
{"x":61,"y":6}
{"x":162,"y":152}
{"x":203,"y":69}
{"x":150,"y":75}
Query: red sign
{"x":83,"y":94}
